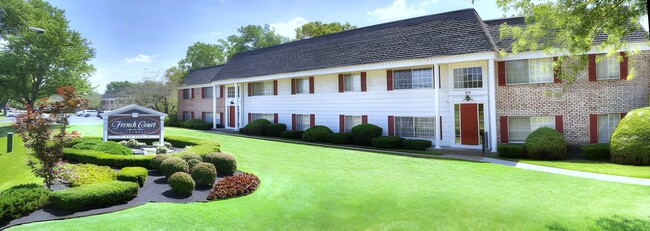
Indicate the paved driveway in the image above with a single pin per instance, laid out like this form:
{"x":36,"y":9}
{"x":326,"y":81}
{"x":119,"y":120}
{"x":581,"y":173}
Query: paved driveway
{"x":74,"y":120}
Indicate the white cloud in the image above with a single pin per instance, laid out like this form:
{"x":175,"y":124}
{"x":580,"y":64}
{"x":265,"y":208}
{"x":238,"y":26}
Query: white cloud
{"x":401,"y":9}
{"x":215,"y":33}
{"x":140,"y":59}
{"x":222,"y":1}
{"x":288,"y":29}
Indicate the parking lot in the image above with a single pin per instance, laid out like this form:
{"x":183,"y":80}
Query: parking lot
{"x":73,"y":119}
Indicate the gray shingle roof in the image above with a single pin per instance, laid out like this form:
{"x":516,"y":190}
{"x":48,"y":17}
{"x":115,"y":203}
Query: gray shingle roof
{"x":201,"y":75}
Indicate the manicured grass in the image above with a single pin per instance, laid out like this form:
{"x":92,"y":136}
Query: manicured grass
{"x":13,"y":166}
{"x":596,"y":167}
{"x":317,"y":188}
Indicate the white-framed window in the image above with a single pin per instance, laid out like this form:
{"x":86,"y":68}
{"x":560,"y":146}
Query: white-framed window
{"x":207,"y":92}
{"x":606,"y":125}
{"x":468,"y":77}
{"x":520,"y":127}
{"x":267,"y":116}
{"x":529,"y":71}
{"x":351,"y":82}
{"x":608,"y":68}
{"x":413,"y":78}
{"x":350,"y":122}
{"x":187,"y":115}
{"x":207,"y":117}
{"x":262,"y":88}
{"x":415,"y":127}
{"x":231,"y":92}
{"x":303,"y":122}
{"x":302,"y":86}
{"x":187,"y":93}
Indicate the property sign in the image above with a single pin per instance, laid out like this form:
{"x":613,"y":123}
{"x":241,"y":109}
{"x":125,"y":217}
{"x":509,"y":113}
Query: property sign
{"x":128,"y":127}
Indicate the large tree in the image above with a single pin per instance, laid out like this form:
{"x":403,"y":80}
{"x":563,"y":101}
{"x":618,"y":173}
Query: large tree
{"x":202,"y":55}
{"x":115,"y":86}
{"x":251,"y":37}
{"x":313,"y":29}
{"x":155,"y":91}
{"x":33,"y":65}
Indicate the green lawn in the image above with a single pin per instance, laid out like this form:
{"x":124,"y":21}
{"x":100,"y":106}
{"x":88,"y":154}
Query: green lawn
{"x":13,"y":168}
{"x":596,"y":167}
{"x":314,"y":188}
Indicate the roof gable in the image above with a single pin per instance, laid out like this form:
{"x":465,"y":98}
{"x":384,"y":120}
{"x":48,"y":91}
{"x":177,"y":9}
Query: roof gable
{"x":201,"y":75}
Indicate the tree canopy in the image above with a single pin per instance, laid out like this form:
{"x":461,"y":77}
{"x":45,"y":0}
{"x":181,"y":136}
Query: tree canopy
{"x":251,"y":37}
{"x":316,"y":28}
{"x":118,"y":85}
{"x":202,"y":55}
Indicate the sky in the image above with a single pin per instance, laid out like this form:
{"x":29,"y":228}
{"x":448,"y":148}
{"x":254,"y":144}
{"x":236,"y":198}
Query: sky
{"x":141,"y":38}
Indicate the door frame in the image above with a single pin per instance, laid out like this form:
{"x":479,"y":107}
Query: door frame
{"x":453,"y":123}
{"x":474,"y":106}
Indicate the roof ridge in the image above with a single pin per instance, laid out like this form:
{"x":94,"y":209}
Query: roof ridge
{"x":497,"y":19}
{"x":201,"y":68}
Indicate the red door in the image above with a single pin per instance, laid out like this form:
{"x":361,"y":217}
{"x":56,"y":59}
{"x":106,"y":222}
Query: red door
{"x":469,"y":124}
{"x":231,"y":117}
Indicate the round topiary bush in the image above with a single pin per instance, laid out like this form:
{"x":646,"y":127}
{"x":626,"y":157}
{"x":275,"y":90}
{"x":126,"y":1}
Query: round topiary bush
{"x":546,"y":144}
{"x":204,"y":174}
{"x":225,"y":163}
{"x":363,"y":134}
{"x":172,"y":165}
{"x":256,"y":127}
{"x":181,"y":183}
{"x":192,"y":163}
{"x":317,"y":133}
{"x":157,"y":160}
{"x":191,"y":156}
{"x":630,"y":141}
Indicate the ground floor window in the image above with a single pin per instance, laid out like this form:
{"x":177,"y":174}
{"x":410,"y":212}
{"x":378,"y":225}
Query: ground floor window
{"x":606,"y":125}
{"x":187,"y":115}
{"x":415,"y":127}
{"x":303,"y":122}
{"x":207,"y":117}
{"x":351,"y":121}
{"x":520,"y":127}
{"x":267,"y":116}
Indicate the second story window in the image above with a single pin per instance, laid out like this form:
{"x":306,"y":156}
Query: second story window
{"x":302,"y":86}
{"x":414,"y":78}
{"x":187,"y":93}
{"x":529,"y":71}
{"x":608,"y":68}
{"x":207,"y":92}
{"x":351,"y":82}
{"x":468,"y":77}
{"x":262,"y":88}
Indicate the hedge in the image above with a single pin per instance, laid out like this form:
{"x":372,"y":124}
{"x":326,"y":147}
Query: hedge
{"x":316,"y":133}
{"x":630,"y":141}
{"x":113,"y":147}
{"x":225,"y":163}
{"x":94,"y":195}
{"x":256,"y":127}
{"x":363,"y":134}
{"x":133,"y":174}
{"x":514,"y":151}
{"x":421,"y":145}
{"x":75,"y":141}
{"x":274,"y":130}
{"x":75,"y":175}
{"x":87,"y":144}
{"x":181,"y":183}
{"x":21,"y":200}
{"x":545,"y":144}
{"x":596,"y":152}
{"x":191,"y":123}
{"x":190,"y":156}
{"x":157,"y":160}
{"x":292,"y":134}
{"x":392,"y":142}
{"x":340,"y":138}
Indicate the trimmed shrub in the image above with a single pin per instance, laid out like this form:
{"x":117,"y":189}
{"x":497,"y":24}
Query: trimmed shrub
{"x":545,"y":144}
{"x":514,"y":151}
{"x":191,"y":123}
{"x":630,"y":142}
{"x":161,"y":150}
{"x":204,"y":174}
{"x":274,"y":130}
{"x":596,"y":152}
{"x":393,"y":142}
{"x":101,"y":158}
{"x":88,"y":144}
{"x":192,"y":163}
{"x":181,"y":183}
{"x":113,"y":147}
{"x":135,"y":143}
{"x":94,"y":195}
{"x":415,"y":144}
{"x":190,"y":156}
{"x":157,"y":160}
{"x":202,"y":126}
{"x":75,"y":141}
{"x":292,"y":134}
{"x":363,"y":134}
{"x":172,"y":165}
{"x":234,"y":186}
{"x":340,"y":138}
{"x":225,"y":163}
{"x":241,"y":131}
{"x":183,"y":141}
{"x":170,"y":120}
{"x":75,"y":175}
{"x":316,"y":133}
{"x":133,"y":174}
{"x":256,"y":127}
{"x":21,"y":200}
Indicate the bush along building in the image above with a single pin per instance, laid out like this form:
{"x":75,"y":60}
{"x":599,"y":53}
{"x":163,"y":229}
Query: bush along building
{"x":437,"y":77}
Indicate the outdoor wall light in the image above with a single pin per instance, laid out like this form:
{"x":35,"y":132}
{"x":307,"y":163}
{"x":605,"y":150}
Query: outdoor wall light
{"x":467,"y":98}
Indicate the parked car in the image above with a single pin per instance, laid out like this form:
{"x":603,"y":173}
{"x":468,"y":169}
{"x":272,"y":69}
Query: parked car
{"x":100,"y":114}
{"x":14,"y":113}
{"x":79,"y":113}
{"x":88,"y":113}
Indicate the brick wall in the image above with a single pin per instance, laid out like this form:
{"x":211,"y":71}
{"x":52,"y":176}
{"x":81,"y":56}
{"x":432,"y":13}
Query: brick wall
{"x":198,"y":104}
{"x":580,"y":100}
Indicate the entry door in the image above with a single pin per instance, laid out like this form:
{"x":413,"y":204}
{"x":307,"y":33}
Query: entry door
{"x":469,"y":124}
{"x":231,"y":117}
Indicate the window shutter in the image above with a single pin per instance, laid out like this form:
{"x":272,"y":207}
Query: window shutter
{"x":275,"y":87}
{"x":364,"y":119}
{"x":293,"y":86}
{"x":311,"y":85}
{"x":363,"y":81}
{"x":250,"y":89}
{"x":556,"y":72}
{"x":624,"y":69}
{"x":389,"y":80}
{"x":623,"y":115}
{"x":391,"y":125}
{"x":503,"y":126}
{"x":221,"y":91}
{"x":202,"y":115}
{"x":221,"y":118}
{"x":275,"y":118}
{"x":250,"y":117}
{"x":440,"y":127}
{"x":341,"y":123}
{"x":191,"y":115}
{"x":202,"y":92}
{"x":192,"y":94}
{"x":559,"y":124}
{"x":501,"y":74}
{"x":312,"y":120}
{"x":592,"y":67}
{"x":593,"y":128}
{"x":293,"y":121}
{"x":341,"y":83}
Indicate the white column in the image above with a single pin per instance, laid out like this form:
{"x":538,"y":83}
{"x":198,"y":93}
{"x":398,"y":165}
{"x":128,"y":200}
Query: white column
{"x":105,"y":131}
{"x":161,"y":140}
{"x":237,"y":106}
{"x":436,"y":83}
{"x":214,"y":106}
{"x":492,"y":102}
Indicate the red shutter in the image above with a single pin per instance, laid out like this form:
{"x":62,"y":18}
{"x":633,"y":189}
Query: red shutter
{"x":192,"y":115}
{"x":250,"y":89}
{"x":275,"y":118}
{"x":501,"y":73}
{"x":623,"y":115}
{"x":192,"y":95}
{"x":391,"y":125}
{"x":341,"y":83}
{"x":221,"y":91}
{"x":440,"y":127}
{"x":202,"y":92}
{"x":592,"y":67}
{"x":250,"y":117}
{"x":593,"y":128}
{"x":556,"y":72}
{"x":293,"y":121}
{"x":312,"y":120}
{"x":221,"y":118}
{"x":503,"y":126}
{"x":389,"y":80}
{"x":311,"y":85}
{"x":364,"y":119}
{"x":293,"y":86}
{"x":275,"y":87}
{"x":341,"y":123}
{"x":624,"y":67}
{"x":363,"y":82}
{"x":559,"y":124}
{"x":203,"y":116}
